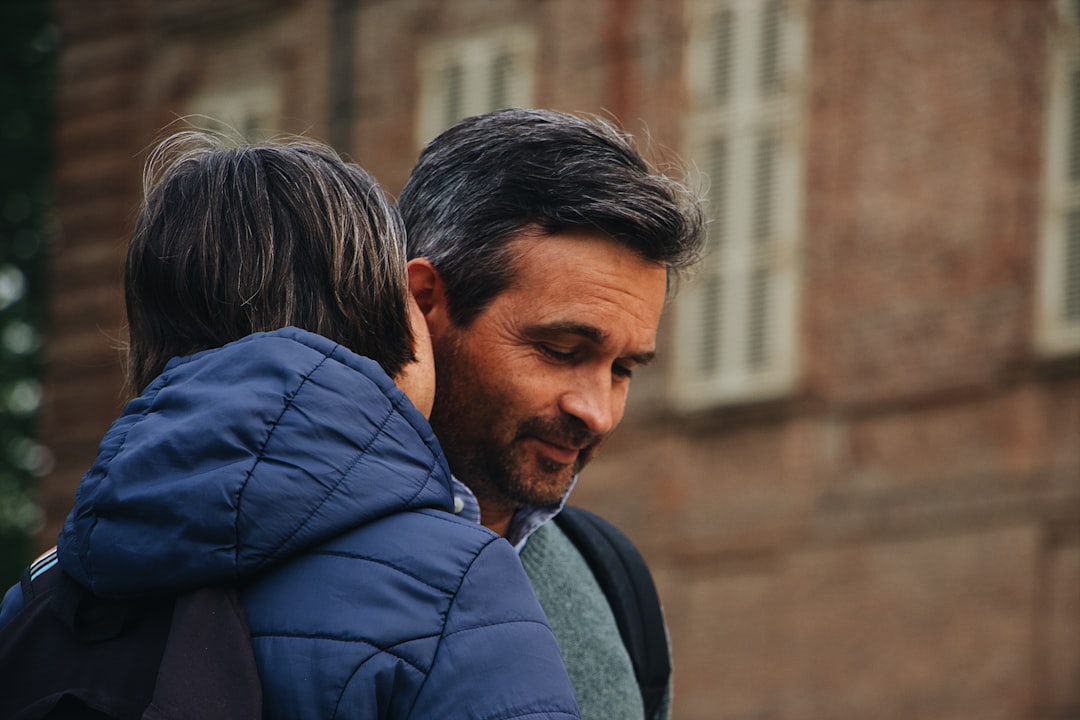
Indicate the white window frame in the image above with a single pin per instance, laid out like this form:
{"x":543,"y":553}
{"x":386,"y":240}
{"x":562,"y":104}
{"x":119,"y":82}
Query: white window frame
{"x":744,"y":347}
{"x":475,"y":59}
{"x":249,"y":110}
{"x":1058,"y":286}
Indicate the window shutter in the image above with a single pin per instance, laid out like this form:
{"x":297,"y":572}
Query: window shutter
{"x":710,"y":326}
{"x":1058,"y":310}
{"x":721,"y":47}
{"x":735,"y":321}
{"x":770,"y":48}
{"x":502,"y":73}
{"x":1071,"y":295}
{"x":760,"y":298}
{"x":1070,"y":300}
{"x":472,"y":75}
{"x":453,"y":93}
{"x":250,"y":107}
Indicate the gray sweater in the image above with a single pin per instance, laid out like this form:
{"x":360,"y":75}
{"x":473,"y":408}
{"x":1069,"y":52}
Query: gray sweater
{"x":596,"y":659}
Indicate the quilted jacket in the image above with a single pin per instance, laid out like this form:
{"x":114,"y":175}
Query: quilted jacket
{"x":294,"y":467}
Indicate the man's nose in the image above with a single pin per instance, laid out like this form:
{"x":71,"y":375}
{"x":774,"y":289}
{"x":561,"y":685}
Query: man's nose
{"x":596,"y":403}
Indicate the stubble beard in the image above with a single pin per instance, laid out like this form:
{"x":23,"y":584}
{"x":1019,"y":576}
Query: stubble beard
{"x":483,"y":441}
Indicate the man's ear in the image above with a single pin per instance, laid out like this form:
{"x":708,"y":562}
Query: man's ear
{"x":429,"y":291}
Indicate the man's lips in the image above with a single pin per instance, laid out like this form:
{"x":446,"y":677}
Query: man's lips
{"x":560,"y":454}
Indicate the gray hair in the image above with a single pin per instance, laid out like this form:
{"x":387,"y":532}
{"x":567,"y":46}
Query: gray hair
{"x":491,"y":177}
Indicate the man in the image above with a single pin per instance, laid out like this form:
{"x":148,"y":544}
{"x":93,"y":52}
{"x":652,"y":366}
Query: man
{"x":542,"y":250}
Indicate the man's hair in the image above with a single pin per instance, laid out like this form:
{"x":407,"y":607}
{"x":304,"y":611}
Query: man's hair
{"x":491,"y":177}
{"x":232,"y":240}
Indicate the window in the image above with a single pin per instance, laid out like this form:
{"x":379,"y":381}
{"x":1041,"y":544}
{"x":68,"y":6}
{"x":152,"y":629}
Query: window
{"x":1058,"y":318}
{"x":251,"y":110}
{"x":472,"y":75}
{"x":736,"y":321}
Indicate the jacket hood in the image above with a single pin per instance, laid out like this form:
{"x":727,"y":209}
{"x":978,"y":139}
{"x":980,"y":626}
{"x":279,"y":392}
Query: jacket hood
{"x":238,"y":458}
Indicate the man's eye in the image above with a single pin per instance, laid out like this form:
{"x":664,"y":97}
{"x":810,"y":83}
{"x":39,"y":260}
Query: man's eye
{"x":556,"y":354}
{"x":623,"y":371}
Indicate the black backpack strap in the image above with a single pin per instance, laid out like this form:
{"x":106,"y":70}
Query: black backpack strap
{"x":624,"y":577}
{"x":70,"y":654}
{"x":208,"y":668}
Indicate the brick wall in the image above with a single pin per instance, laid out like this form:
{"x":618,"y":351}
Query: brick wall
{"x":96,"y":185}
{"x":899,"y":537}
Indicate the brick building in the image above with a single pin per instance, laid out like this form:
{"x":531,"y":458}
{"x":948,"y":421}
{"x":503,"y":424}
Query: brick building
{"x":856,"y":470}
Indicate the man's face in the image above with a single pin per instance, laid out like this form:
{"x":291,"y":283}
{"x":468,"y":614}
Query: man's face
{"x":529,"y":388}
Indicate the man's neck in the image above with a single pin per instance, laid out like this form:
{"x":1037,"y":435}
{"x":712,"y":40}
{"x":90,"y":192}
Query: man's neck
{"x":496,"y":516}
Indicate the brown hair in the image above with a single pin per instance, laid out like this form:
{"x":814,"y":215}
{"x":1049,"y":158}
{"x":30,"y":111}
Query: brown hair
{"x":232,"y":240}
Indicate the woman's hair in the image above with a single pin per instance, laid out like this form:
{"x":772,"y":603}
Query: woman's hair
{"x":232,"y":240}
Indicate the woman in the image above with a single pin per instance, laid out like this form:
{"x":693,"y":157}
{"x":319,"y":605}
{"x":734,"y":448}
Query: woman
{"x":279,"y":442}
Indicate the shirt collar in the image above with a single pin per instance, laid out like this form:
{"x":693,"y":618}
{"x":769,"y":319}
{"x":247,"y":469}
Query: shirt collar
{"x":524,"y":522}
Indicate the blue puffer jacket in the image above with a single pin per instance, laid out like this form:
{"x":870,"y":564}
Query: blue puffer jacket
{"x":298,"y":469}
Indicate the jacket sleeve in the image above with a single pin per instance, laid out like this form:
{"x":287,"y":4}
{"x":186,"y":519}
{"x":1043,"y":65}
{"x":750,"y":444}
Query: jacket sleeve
{"x":497,"y":658}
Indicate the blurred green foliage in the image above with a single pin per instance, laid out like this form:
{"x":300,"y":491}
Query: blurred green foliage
{"x":29,"y":42}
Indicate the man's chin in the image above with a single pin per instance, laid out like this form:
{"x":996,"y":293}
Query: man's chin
{"x":545,"y":488}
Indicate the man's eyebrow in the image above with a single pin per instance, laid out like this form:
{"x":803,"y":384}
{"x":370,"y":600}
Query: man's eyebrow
{"x":642,"y":358}
{"x":591,"y":333}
